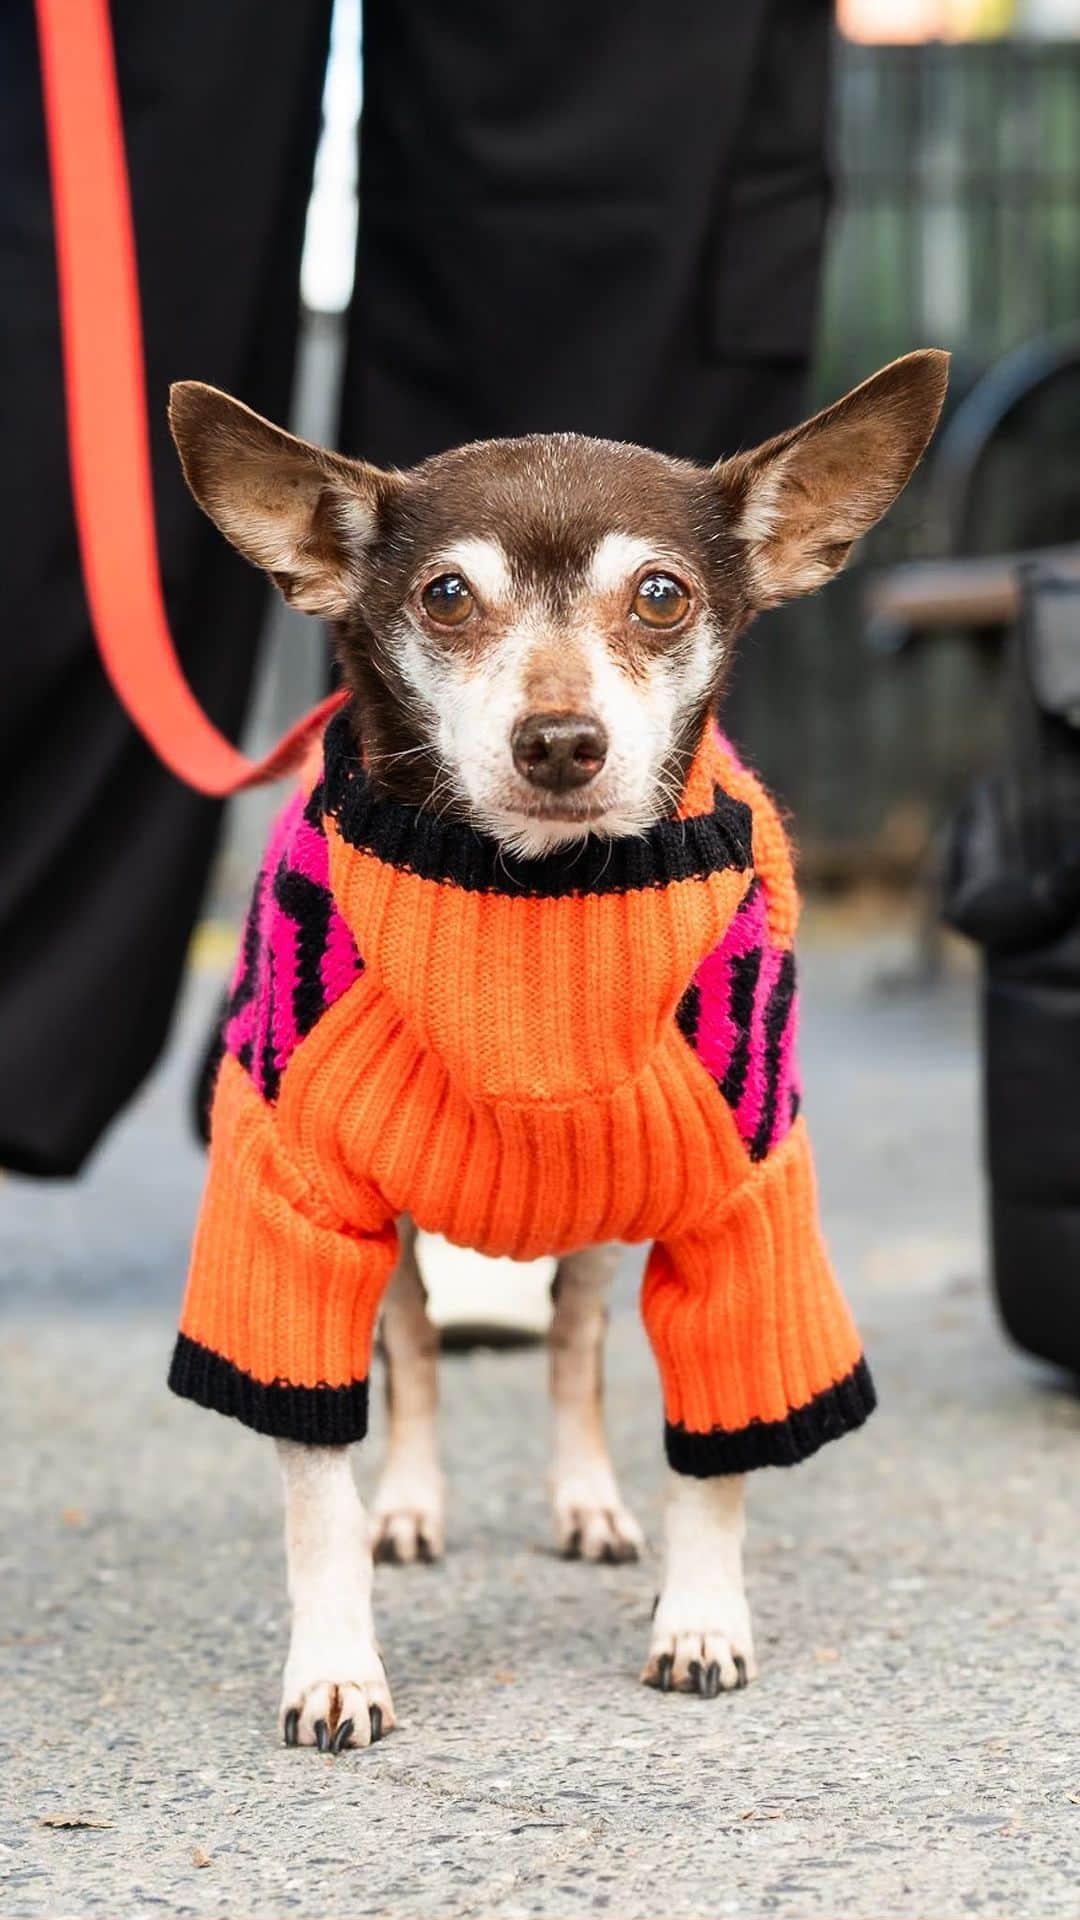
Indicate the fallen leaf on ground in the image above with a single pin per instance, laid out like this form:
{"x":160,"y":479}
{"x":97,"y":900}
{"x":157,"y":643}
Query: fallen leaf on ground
{"x":73,"y":1516}
{"x":200,"y":1859}
{"x":504,"y":1678}
{"x":826,"y":1653}
{"x":71,"y":1820}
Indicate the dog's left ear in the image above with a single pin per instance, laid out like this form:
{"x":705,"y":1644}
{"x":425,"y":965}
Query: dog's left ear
{"x":800,"y":501}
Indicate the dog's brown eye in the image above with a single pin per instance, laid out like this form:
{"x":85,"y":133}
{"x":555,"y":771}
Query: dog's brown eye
{"x":661,"y":601}
{"x":448,"y":600}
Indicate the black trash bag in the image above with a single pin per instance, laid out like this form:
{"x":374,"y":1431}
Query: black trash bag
{"x":1012,"y":863}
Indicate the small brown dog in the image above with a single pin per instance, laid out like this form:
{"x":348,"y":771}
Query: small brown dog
{"x":536,"y":633}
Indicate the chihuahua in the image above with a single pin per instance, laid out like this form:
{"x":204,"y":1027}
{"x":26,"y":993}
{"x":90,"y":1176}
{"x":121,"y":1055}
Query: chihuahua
{"x":518,"y":970}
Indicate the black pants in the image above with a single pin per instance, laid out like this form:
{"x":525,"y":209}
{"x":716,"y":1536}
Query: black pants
{"x":603,"y":216}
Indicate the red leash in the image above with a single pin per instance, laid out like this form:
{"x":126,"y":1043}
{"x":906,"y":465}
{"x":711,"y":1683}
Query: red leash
{"x":106,"y":412}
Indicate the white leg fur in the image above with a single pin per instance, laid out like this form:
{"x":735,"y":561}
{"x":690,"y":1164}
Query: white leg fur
{"x":590,"y":1518}
{"x":409,"y":1505}
{"x":701,"y":1635}
{"x":334,"y":1690}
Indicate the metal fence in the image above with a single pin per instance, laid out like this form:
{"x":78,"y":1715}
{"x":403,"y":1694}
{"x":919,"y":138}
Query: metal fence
{"x":957,"y":224}
{"x":958,"y":212}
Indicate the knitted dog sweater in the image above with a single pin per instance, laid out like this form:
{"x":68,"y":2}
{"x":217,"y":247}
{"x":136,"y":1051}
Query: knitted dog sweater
{"x":529,"y":1056}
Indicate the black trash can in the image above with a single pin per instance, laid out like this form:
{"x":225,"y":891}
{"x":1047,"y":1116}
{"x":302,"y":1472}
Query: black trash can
{"x":1012,"y":884}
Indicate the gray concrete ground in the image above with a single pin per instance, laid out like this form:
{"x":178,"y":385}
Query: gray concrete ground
{"x":911,"y":1746}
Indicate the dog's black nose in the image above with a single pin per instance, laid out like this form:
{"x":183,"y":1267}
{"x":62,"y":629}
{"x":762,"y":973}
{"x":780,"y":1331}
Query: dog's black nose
{"x":558,"y":751}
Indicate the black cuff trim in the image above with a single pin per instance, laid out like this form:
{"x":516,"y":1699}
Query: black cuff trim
{"x":319,"y":1416}
{"x":775,"y":1443}
{"x":451,"y":851}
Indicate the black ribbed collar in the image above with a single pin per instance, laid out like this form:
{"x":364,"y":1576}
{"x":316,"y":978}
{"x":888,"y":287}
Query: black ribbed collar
{"x":449,"y":851}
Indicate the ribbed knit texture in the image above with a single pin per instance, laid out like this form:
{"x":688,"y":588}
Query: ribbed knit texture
{"x":530,"y":1057}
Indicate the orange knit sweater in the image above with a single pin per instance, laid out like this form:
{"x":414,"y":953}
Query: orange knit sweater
{"x":529,"y":1056}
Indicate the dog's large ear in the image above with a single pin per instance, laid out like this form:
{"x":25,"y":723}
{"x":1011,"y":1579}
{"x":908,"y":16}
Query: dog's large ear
{"x":303,"y":514}
{"x":801,"y":500}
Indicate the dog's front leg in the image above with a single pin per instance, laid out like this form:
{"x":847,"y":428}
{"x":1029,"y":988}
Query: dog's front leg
{"x":590,"y":1518}
{"x":701,"y":1635}
{"x":335,"y":1692}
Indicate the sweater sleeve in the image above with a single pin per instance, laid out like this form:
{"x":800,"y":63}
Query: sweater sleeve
{"x":759,"y":1359}
{"x":282,"y":1294}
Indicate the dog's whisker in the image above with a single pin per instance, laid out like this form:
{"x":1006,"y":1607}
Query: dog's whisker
{"x":404,"y":753}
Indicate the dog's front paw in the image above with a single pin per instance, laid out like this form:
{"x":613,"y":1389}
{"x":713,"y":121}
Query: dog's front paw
{"x":335,"y":1714}
{"x":701,"y":1643}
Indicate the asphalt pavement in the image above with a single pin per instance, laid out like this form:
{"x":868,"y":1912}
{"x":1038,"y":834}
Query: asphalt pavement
{"x":911,"y":1748}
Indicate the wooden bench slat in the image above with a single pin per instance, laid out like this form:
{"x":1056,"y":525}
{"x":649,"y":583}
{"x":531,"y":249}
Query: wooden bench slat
{"x":972,"y":592}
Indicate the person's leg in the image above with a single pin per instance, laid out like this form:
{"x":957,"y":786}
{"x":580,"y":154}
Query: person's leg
{"x":602,"y":219}
{"x":605,"y":219}
{"x":103,"y":856}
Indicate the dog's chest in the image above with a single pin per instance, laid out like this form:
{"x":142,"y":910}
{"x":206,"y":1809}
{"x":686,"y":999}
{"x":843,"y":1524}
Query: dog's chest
{"x":531,"y":1000}
{"x":366,"y":1104}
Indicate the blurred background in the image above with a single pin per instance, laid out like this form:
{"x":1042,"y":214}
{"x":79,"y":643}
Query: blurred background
{"x":955,"y":136}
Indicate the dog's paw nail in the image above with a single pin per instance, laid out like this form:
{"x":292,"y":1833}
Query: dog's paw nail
{"x":618,"y":1551}
{"x":603,"y":1533}
{"x":334,"y":1715}
{"x":405,"y":1534}
{"x":704,"y":1680}
{"x":702,"y":1663}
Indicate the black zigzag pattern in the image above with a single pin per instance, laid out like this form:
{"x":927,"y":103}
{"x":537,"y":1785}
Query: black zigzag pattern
{"x":745,"y":969}
{"x":308,"y":906}
{"x":777,"y":1014}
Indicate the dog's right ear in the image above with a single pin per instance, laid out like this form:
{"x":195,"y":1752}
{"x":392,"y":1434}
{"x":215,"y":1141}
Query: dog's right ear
{"x":303,"y":514}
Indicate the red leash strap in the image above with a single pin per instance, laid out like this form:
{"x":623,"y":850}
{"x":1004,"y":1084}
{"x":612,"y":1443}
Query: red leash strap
{"x":106,"y":412}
